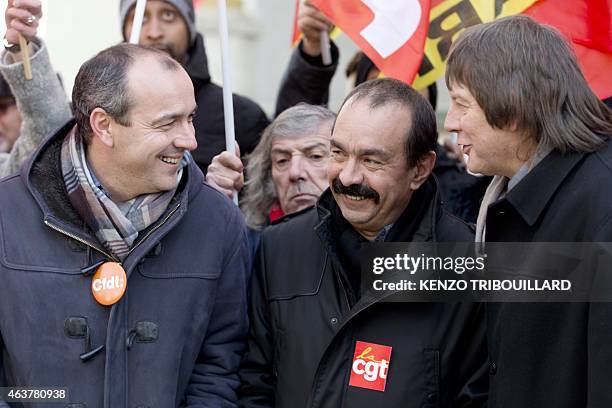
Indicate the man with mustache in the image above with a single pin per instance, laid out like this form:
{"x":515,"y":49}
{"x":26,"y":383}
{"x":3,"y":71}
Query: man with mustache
{"x":169,"y":25}
{"x":308,"y":312}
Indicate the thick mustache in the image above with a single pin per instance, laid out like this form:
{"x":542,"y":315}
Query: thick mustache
{"x":355,"y":190}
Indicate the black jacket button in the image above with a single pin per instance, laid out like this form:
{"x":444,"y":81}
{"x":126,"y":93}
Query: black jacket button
{"x":493,"y":369}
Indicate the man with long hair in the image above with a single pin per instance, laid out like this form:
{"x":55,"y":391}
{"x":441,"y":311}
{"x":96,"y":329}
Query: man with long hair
{"x":525,"y":114}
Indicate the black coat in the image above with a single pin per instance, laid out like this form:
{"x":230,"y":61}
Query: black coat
{"x":460,"y":191}
{"x":303,"y":327}
{"x":249,"y":119}
{"x":553,"y":355}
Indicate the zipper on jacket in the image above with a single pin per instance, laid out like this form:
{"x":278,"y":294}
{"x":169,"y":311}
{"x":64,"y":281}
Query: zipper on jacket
{"x":348,"y":304}
{"x":152,"y":230}
{"x":350,"y":316}
{"x":91,"y":245}
{"x":82,"y":241}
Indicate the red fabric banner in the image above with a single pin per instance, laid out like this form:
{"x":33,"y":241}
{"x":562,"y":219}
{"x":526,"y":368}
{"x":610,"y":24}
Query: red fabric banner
{"x":587,"y":25}
{"x":391,"y":33}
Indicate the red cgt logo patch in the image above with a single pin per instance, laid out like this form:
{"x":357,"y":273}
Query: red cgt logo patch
{"x":370,"y":366}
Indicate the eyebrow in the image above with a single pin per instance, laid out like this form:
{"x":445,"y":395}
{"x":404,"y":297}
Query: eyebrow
{"x":309,"y":147}
{"x":455,"y":96}
{"x":381,"y":153}
{"x":169,"y":116}
{"x":336,"y":144}
{"x":315,"y":145}
{"x":281,"y":150}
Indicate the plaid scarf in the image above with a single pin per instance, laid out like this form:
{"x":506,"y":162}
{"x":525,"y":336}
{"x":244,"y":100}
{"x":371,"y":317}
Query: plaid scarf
{"x":116,"y":225}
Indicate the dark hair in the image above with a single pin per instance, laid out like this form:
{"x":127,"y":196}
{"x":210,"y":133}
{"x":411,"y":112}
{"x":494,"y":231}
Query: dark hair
{"x":422,"y":135}
{"x":102,"y":83}
{"x":525,"y":76}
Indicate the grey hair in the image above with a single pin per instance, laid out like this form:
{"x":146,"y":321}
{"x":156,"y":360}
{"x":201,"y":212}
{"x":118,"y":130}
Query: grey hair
{"x":102,"y":83}
{"x":260,"y":192}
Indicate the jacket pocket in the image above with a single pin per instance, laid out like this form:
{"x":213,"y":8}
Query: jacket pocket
{"x":171,"y":267}
{"x":432,"y":378}
{"x":278,"y":343}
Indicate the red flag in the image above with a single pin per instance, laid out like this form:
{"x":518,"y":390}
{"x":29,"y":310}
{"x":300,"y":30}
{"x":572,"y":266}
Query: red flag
{"x":295,"y":37}
{"x":391,"y":33}
{"x":587,"y":24}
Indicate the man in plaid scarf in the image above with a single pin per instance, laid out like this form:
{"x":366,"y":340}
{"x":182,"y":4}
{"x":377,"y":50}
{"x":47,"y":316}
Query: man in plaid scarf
{"x":117,"y":184}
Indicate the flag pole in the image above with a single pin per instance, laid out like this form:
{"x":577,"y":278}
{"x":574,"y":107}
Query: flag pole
{"x":325,"y":48}
{"x":139,"y":13}
{"x":228,"y":103}
{"x":25,"y":56}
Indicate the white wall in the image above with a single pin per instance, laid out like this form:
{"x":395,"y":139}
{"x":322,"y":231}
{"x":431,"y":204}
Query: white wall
{"x":75,"y":30}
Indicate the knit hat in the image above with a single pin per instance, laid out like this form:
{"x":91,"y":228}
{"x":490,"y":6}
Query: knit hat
{"x":184,"y":7}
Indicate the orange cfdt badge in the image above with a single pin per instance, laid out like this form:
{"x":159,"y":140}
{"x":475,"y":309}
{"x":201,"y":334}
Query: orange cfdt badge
{"x":109,"y":283}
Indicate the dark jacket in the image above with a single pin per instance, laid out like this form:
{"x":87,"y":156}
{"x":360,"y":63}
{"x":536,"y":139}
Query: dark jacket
{"x":174,"y":339}
{"x":460,"y":191}
{"x":307,"y":80}
{"x":249,"y":119}
{"x":304,"y":325}
{"x":553,"y":355}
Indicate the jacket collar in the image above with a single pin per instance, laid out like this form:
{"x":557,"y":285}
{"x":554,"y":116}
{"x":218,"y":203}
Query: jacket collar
{"x":425,"y":205}
{"x":197,"y":63}
{"x":532,"y":194}
{"x":426,"y":201}
{"x":42,"y":176}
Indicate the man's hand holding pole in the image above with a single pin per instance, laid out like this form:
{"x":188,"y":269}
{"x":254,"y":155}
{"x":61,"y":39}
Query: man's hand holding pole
{"x":315,"y":28}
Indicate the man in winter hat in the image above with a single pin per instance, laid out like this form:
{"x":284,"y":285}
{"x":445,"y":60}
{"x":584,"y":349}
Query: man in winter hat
{"x":169,"y":25}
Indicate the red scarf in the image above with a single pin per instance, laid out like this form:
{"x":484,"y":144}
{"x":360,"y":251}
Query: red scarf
{"x":276,"y":212}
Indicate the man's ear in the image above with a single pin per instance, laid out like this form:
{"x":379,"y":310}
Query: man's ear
{"x":101,"y":126}
{"x":423,"y":169}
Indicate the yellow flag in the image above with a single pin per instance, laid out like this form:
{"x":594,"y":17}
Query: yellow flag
{"x":448,"y":19}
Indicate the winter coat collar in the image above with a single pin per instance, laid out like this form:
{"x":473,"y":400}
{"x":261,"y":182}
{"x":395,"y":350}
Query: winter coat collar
{"x":542,"y":182}
{"x":42,"y":176}
{"x":427,"y":196}
{"x":197,"y":63}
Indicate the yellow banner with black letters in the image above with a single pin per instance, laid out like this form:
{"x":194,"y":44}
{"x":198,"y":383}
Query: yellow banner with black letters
{"x":447,"y":19}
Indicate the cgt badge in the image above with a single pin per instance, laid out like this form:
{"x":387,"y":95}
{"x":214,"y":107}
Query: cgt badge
{"x":108,"y":283}
{"x":370,"y":366}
